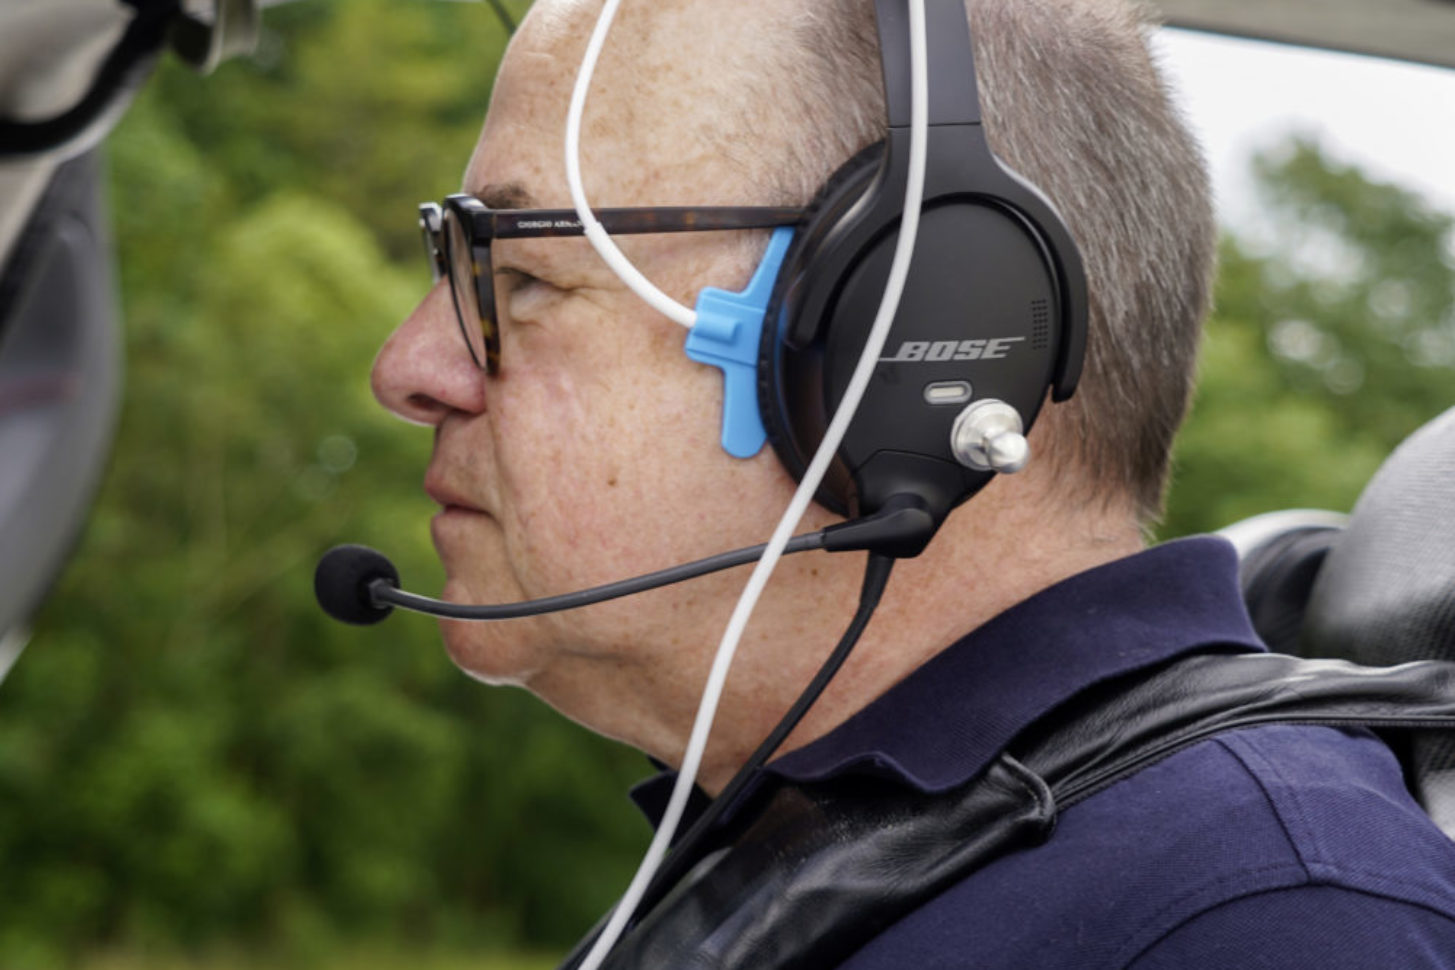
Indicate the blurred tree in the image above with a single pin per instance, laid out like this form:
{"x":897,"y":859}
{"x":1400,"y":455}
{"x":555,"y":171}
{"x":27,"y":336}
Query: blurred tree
{"x":372,"y":104}
{"x":1333,"y":339}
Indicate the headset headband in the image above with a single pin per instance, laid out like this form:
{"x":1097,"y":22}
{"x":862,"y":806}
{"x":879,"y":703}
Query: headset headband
{"x":954,"y":92}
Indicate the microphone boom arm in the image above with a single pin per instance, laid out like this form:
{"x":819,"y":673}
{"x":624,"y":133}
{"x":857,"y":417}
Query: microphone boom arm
{"x":355,"y":584}
{"x":385,"y":593}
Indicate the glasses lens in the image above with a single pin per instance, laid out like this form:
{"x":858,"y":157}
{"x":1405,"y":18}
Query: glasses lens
{"x":465,"y":288}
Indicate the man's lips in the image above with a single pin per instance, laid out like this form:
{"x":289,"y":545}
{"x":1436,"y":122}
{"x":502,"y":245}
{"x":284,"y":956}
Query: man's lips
{"x":448,"y":498}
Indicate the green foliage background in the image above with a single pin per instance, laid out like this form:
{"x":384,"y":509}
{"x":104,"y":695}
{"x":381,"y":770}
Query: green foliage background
{"x":1332,"y":339}
{"x":192,"y":757}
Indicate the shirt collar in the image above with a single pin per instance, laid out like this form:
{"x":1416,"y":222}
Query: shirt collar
{"x":948,"y":719}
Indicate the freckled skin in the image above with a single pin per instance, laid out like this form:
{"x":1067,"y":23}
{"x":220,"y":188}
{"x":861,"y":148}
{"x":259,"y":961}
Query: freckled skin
{"x":593,"y":455}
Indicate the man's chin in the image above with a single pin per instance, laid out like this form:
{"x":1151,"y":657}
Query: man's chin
{"x":494,"y":652}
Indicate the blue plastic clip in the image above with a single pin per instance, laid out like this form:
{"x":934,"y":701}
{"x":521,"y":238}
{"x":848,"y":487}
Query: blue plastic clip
{"x":727,"y":335}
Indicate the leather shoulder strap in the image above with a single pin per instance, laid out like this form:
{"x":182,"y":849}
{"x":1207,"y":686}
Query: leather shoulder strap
{"x":823,"y":868}
{"x":1112,"y":730}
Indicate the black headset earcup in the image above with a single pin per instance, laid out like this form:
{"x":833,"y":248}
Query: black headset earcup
{"x":977,"y":325}
{"x":838,"y":194}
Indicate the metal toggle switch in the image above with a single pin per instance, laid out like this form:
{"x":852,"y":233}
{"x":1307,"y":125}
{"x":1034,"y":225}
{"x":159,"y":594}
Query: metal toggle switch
{"x":989,"y":436}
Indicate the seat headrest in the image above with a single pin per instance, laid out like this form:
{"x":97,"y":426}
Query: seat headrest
{"x":1279,"y":555}
{"x":1386,"y":592}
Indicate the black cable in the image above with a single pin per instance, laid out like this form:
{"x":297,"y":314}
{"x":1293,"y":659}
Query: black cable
{"x":385,"y":593}
{"x":685,"y":854}
{"x":876,"y":577}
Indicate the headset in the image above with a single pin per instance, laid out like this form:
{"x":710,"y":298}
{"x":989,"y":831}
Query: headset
{"x":993,"y":315}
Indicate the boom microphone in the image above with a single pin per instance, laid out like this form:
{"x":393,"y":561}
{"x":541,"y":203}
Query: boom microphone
{"x":359,"y":585}
{"x":343,"y":583}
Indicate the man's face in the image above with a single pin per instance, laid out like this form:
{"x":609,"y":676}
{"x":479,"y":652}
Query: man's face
{"x":593,"y":454}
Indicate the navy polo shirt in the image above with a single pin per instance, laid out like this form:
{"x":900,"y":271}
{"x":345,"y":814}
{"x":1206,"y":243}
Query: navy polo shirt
{"x":1278,"y":846}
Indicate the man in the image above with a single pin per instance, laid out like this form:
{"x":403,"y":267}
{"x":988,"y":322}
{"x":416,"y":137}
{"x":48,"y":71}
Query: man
{"x":591,"y":454}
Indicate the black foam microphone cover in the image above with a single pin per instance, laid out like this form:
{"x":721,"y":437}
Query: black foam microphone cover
{"x":341,"y":583}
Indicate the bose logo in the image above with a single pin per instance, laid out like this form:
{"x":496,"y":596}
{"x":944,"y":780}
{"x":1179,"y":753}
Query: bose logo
{"x":917,"y":351}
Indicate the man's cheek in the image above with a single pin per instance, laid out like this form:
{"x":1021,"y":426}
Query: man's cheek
{"x":546,"y":396}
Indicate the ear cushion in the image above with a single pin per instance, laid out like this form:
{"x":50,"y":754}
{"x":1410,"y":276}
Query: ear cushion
{"x":837,"y":195}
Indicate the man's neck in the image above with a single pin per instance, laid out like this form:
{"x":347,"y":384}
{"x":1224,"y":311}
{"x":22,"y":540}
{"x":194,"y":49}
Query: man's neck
{"x":962,"y":581}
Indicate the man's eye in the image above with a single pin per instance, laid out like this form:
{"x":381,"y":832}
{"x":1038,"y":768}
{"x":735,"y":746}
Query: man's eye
{"x":512,"y":281}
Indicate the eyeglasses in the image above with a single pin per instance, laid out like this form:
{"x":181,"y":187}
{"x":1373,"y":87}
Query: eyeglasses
{"x":457,"y":239}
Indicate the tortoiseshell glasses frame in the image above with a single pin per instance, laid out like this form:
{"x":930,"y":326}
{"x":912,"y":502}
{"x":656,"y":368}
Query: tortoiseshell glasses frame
{"x":457,"y":237}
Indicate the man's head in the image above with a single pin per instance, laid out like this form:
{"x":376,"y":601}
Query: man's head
{"x":593,"y":454}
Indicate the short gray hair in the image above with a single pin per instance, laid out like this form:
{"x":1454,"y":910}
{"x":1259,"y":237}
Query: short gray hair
{"x":1074,"y":102}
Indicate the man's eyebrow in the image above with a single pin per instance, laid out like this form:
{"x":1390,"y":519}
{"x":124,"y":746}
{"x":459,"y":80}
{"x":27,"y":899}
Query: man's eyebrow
{"x":507,"y":195}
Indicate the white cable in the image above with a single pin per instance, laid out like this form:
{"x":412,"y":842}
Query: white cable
{"x":838,"y":427}
{"x":605,"y":248}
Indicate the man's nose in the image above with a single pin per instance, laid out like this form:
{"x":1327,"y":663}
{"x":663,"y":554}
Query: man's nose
{"x":424,"y":371}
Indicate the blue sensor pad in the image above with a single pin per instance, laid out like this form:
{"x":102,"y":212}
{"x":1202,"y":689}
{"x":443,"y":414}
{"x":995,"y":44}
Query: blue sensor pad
{"x":727,"y":335}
